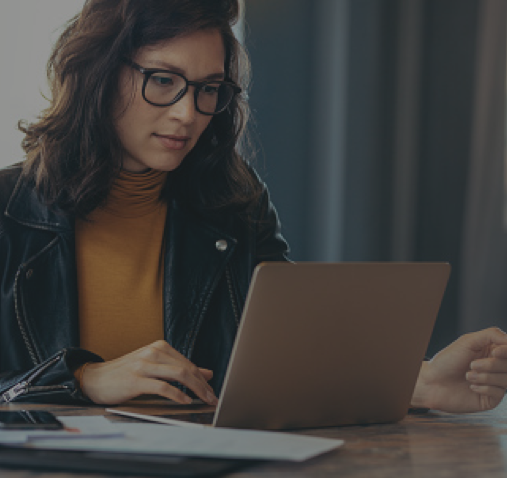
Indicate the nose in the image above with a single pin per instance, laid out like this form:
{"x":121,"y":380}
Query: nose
{"x":184,"y":109}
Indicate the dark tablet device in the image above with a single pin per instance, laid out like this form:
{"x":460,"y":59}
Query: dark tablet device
{"x":117,"y":463}
{"x":28,"y":420}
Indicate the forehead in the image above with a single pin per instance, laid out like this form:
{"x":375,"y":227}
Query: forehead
{"x":197,"y":54}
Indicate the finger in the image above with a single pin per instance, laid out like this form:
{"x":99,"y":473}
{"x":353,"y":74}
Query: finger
{"x":490,"y":396}
{"x":490,"y":364}
{"x":152,"y":355}
{"x":188,"y":376}
{"x":500,"y":351}
{"x":161,"y":351}
{"x":478,"y":340}
{"x":207,"y":374}
{"x":159,"y":387}
{"x":164,"y":346}
{"x":493,"y":379}
{"x":171,"y":352}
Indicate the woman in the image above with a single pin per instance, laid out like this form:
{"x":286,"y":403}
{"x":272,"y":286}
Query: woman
{"x":132,"y":228}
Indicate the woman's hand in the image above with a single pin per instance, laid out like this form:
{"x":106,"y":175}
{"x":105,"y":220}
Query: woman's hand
{"x":146,"y":371}
{"x":470,"y":375}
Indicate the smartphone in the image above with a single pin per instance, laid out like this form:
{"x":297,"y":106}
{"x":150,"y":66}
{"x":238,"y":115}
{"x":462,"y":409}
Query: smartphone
{"x":28,"y":420}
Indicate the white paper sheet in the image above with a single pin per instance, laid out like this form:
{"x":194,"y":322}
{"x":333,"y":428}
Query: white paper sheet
{"x":156,"y":419}
{"x":76,"y":428}
{"x":205,"y":442}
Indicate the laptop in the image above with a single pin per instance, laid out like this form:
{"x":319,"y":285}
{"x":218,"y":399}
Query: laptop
{"x":328,"y":344}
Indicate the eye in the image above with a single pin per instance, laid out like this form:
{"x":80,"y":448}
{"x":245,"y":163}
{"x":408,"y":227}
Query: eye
{"x":210,"y":89}
{"x":162,"y":80}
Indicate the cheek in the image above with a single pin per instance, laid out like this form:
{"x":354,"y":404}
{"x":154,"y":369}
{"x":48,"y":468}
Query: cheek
{"x":136,"y":118}
{"x":130,"y":110}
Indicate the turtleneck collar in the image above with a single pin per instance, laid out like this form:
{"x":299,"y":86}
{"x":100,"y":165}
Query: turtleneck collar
{"x":135,"y":194}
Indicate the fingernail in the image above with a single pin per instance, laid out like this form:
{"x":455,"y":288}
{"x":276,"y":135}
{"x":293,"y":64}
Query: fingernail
{"x":472,"y":375}
{"x":188,"y":400}
{"x":211,"y":398}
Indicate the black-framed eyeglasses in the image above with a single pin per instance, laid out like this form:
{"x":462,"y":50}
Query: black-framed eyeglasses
{"x":165,"y":87}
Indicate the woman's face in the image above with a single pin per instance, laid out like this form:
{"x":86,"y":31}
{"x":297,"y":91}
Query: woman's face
{"x":160,"y":137}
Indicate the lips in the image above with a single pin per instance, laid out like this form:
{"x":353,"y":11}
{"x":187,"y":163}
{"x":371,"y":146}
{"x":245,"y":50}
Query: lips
{"x":173,"y":142}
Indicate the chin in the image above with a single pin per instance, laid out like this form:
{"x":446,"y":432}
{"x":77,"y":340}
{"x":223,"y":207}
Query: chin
{"x":165,"y":164}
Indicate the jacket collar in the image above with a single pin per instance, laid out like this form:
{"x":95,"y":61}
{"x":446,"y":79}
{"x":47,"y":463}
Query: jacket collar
{"x":26,"y":208}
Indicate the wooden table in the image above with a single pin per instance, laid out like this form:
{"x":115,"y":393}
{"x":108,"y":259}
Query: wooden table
{"x":432,"y":445}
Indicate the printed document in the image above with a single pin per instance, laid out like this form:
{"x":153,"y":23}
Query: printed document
{"x":199,"y":442}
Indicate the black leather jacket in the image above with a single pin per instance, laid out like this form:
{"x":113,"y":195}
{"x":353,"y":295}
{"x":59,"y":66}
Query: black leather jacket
{"x":207,"y":274}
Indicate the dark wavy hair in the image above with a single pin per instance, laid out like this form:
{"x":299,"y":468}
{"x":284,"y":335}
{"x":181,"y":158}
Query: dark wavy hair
{"x":73,"y":153}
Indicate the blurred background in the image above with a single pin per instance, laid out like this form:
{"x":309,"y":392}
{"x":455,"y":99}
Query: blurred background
{"x":379,"y":127}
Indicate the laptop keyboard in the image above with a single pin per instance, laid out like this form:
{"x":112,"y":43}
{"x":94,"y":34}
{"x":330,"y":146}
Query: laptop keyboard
{"x":202,"y":418}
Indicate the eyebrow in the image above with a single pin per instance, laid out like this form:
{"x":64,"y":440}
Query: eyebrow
{"x":168,"y":66}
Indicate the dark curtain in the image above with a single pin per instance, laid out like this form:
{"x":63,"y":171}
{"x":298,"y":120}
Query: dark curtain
{"x":381,"y":125}
{"x":483,"y":297}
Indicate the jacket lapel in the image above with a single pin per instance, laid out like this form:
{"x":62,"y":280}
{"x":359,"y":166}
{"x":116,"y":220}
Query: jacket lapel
{"x":45,"y":290}
{"x":26,"y":208}
{"x":195,"y":260}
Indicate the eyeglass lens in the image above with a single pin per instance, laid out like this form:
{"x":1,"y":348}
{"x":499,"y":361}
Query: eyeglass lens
{"x":163,"y":88}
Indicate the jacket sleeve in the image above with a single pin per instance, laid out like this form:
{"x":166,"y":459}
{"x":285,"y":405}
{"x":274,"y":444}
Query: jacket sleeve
{"x":46,"y":376}
{"x":52,"y":381}
{"x":270,"y":244}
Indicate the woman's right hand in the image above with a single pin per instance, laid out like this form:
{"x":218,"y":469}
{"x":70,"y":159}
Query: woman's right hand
{"x":146,"y":371}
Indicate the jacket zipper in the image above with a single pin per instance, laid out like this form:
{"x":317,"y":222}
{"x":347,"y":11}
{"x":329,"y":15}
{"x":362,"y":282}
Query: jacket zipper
{"x":194,"y":336}
{"x":29,"y":341}
{"x":22,"y":328}
{"x":231,"y":293}
{"x":205,"y":308}
{"x":23,"y":387}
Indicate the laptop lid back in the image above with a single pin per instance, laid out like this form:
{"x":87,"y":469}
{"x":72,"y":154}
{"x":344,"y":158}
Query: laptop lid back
{"x":330,"y":344}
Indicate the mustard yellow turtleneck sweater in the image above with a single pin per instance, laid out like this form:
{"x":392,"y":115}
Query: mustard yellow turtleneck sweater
{"x":120,"y":267}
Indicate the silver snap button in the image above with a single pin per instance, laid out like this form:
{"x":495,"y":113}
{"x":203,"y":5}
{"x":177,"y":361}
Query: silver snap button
{"x":221,"y":245}
{"x":29,"y":273}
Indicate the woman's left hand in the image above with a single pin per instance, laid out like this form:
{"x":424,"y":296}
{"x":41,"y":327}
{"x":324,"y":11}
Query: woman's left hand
{"x":470,"y":375}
